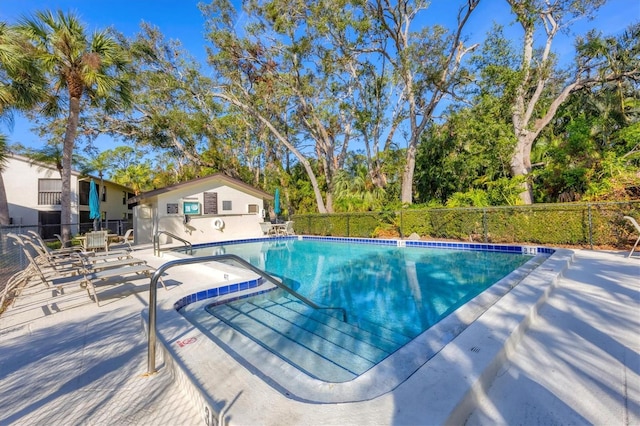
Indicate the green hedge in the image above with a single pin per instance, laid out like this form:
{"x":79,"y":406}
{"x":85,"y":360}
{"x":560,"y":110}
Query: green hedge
{"x":592,"y":224}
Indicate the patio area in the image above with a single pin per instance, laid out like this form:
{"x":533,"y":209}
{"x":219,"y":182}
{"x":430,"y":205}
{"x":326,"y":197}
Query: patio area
{"x":65,"y":361}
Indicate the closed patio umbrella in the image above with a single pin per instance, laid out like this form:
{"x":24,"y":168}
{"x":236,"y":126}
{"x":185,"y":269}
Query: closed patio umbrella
{"x":94,"y":204}
{"x":276,"y":203}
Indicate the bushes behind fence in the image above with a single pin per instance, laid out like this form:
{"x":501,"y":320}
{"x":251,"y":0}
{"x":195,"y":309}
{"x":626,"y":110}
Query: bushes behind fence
{"x":592,"y":224}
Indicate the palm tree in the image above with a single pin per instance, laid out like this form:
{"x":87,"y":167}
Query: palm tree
{"x":76,"y":66}
{"x":21,"y":87}
{"x":4,"y":205}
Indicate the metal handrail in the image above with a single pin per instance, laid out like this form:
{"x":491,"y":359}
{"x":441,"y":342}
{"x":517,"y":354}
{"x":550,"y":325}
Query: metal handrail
{"x":156,"y":242}
{"x":153,"y":291}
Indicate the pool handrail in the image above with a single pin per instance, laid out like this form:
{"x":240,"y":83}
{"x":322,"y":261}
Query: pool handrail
{"x":153,"y":290}
{"x":156,"y":242}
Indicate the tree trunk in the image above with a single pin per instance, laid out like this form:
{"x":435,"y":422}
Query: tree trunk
{"x":322,"y":208}
{"x":407,"y":176}
{"x":67,"y":153}
{"x":4,"y":205}
{"x":521,"y":166}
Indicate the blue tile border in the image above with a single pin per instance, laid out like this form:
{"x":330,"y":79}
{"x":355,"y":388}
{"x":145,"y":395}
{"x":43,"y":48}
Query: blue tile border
{"x":387,"y":242}
{"x":218,"y":291}
{"x":244,"y":296}
{"x":503,"y":248}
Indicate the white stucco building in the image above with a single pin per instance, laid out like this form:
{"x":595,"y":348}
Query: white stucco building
{"x":34,"y":190}
{"x":212,"y":208}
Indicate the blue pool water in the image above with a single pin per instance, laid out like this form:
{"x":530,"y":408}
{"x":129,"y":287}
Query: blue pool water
{"x":391,"y":295}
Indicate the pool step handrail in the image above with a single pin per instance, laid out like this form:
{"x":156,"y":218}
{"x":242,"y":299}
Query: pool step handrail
{"x":156,"y":242}
{"x":153,"y":291}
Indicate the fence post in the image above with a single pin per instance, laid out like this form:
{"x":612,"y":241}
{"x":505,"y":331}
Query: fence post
{"x":485,"y":231}
{"x":401,"y":225}
{"x":590,"y":225}
{"x":348,"y":231}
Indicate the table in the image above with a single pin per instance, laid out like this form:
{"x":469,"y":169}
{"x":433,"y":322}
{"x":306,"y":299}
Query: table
{"x":278,"y":229}
{"x":273,"y":228}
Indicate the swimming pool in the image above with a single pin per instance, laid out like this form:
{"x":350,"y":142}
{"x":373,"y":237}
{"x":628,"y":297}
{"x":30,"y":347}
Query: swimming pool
{"x":392,"y":290}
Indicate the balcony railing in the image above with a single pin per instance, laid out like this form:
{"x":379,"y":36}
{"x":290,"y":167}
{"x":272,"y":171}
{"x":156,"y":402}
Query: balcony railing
{"x":49,"y":198}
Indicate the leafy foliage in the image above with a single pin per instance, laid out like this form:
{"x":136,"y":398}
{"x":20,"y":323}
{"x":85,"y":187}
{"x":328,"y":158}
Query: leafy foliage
{"x":339,"y":104}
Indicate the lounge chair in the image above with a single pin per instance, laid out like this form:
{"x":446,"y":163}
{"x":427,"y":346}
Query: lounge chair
{"x":45,"y":257}
{"x":63,"y":250}
{"x":63,"y":243}
{"x":38,"y":270}
{"x":637,"y":226}
{"x":52,"y":257}
{"x":96,"y":274}
{"x":85,"y":270}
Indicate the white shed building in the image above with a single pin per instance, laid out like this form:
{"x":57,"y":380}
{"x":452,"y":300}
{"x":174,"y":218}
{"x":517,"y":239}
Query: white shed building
{"x":212,"y":208}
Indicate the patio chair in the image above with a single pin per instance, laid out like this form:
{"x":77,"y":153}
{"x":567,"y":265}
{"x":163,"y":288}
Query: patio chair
{"x":87,"y":271}
{"x":126,"y":239}
{"x":96,"y":274}
{"x":265,"y":227}
{"x":63,"y":243}
{"x":64,"y":255}
{"x":288,"y":229}
{"x":61,"y":251}
{"x":45,"y":257}
{"x":96,"y":240}
{"x":38,"y":269}
{"x":637,"y":226}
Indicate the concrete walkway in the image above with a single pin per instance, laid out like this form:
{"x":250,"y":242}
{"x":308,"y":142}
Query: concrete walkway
{"x":63,"y":360}
{"x":66,"y":361}
{"x":579,"y":362}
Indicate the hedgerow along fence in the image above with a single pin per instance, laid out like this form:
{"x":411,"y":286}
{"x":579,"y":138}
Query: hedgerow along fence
{"x":579,"y":224}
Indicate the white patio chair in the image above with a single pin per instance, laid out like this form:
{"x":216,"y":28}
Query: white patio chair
{"x":96,"y":240}
{"x":126,"y":239}
{"x":265,"y":227}
{"x":635,"y":225}
{"x":288,"y":230}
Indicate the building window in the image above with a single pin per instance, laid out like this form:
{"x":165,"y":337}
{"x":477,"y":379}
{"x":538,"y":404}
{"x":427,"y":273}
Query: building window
{"x":83,"y":193}
{"x":104,"y":193}
{"x":125,"y":198}
{"x":49,"y":191}
{"x":253,"y":208}
{"x":226,"y":205}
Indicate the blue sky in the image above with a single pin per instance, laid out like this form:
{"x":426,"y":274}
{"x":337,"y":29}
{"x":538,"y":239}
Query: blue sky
{"x":181,"y":19}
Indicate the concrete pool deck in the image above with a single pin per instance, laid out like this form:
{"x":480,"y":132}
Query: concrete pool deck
{"x":63,"y":360}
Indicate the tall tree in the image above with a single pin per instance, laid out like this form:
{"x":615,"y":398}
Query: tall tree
{"x":427,"y":64}
{"x":283,"y":69}
{"x":76,"y":65}
{"x":540,"y":89}
{"x":21,"y":87}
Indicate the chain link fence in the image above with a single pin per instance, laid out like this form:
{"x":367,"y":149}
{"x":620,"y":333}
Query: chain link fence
{"x":580,"y":224}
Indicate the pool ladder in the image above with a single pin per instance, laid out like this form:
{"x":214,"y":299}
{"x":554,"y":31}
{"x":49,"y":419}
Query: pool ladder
{"x":156,"y":242}
{"x":153,"y":292}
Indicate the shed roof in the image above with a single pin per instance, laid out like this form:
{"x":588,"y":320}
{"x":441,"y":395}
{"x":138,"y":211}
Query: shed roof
{"x":217,"y":177}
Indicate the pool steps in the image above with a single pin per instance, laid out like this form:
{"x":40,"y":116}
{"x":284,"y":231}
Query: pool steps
{"x":310,"y":340}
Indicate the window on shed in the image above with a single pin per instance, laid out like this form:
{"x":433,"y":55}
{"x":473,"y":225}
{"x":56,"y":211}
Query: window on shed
{"x":253,"y":208}
{"x":226,"y":205}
